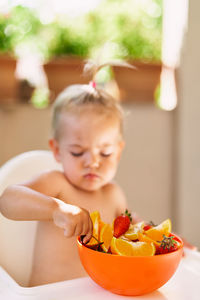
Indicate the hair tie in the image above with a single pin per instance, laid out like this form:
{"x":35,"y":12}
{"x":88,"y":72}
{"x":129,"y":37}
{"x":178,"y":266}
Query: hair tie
{"x":93,"y":84}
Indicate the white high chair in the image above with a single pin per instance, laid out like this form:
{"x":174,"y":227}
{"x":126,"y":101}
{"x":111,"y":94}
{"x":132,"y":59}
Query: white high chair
{"x":17,"y":237}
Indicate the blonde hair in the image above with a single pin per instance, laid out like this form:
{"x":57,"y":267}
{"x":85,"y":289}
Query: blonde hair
{"x":76,"y":97}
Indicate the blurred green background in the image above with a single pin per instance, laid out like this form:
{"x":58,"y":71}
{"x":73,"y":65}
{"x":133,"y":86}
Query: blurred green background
{"x":135,"y":27}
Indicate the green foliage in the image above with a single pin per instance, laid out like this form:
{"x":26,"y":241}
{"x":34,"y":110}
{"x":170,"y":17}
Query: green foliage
{"x":66,"y":41}
{"x":40,"y":97}
{"x":135,"y":26}
{"x":157,"y":97}
{"x":5,"y":40}
{"x":75,"y":37}
{"x":19,"y":26}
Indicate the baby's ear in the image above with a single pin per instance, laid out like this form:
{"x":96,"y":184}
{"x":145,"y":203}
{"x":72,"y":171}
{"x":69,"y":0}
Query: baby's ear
{"x":54,"y":146}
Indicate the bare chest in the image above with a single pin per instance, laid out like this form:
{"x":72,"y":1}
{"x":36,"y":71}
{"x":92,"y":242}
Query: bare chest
{"x":101,"y":201}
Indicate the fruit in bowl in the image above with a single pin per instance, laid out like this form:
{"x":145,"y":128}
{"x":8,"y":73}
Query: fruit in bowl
{"x":135,"y":262}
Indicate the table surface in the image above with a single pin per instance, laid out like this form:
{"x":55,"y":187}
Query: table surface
{"x":184,"y":285}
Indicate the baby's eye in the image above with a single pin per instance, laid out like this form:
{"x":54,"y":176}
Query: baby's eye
{"x":76,"y":153}
{"x":106,"y":154}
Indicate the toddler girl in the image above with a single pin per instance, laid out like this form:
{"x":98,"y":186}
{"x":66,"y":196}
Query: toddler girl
{"x":87,"y":140}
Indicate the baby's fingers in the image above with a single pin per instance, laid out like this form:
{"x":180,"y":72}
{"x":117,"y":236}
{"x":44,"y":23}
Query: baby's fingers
{"x":87,"y":238}
{"x":79,"y":229}
{"x":89,"y":232}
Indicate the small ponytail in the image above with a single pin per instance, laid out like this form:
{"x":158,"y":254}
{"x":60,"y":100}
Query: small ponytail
{"x":91,"y":67}
{"x":77,"y":96}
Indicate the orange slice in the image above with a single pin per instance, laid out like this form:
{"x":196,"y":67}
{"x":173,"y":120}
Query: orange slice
{"x":143,"y":238}
{"x":131,"y":234}
{"x":101,"y":224}
{"x":134,"y":229}
{"x":156,"y":233}
{"x":122,"y":247}
{"x":143,"y":249}
{"x":95,"y":216}
{"x":105,"y":236}
{"x":112,"y":225}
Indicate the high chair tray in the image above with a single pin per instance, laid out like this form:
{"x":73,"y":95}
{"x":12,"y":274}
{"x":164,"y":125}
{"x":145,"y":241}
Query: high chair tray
{"x":184,"y":285}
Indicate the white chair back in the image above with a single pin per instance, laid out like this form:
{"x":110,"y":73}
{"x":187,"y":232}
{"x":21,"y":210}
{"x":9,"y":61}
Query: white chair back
{"x":17,"y":237}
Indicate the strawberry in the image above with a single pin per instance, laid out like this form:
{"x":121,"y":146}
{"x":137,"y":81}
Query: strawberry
{"x":122,"y":223}
{"x":168,"y":244}
{"x":149,"y":225}
{"x":175,"y":237}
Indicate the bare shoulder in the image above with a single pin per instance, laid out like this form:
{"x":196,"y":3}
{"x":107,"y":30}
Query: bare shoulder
{"x":47,"y":176}
{"x":112,"y":187}
{"x":49,"y":182}
{"x":115,"y":192}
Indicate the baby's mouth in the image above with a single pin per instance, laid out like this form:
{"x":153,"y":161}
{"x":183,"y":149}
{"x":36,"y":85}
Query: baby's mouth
{"x":91,"y":176}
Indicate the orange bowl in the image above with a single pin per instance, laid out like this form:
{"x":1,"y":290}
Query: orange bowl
{"x":127,"y":275}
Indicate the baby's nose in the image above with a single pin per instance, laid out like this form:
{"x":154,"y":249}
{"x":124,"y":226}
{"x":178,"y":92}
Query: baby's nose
{"x":91,"y":161}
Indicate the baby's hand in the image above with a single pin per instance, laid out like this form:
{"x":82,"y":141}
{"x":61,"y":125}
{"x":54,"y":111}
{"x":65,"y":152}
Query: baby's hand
{"x":74,"y":220}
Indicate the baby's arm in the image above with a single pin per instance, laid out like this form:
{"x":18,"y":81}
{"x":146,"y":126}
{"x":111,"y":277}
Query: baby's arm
{"x":36,"y":200}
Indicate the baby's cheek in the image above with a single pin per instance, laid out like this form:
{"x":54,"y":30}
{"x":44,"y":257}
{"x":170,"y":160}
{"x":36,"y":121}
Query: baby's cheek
{"x":111,"y":167}
{"x":70,"y":168}
{"x":113,"y":162}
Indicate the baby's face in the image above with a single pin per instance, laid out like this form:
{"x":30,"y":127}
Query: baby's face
{"x":89,"y":149}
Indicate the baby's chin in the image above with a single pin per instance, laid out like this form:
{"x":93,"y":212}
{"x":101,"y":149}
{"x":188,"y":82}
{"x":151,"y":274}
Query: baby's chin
{"x":89,"y":187}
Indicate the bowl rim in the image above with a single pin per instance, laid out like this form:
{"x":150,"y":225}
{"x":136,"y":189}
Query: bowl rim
{"x":132,"y":257}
